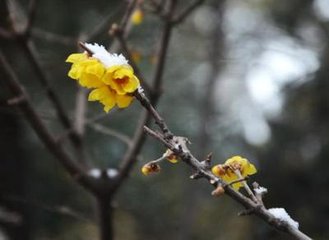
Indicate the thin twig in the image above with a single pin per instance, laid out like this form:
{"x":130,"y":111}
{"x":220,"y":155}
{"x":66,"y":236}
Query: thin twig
{"x":31,"y":53}
{"x":184,"y":153}
{"x":62,"y":210}
{"x":127,"y":52}
{"x":79,"y":123}
{"x":30,"y":17}
{"x":185,"y":13}
{"x":111,"y":132}
{"x":72,"y":167}
{"x":53,"y":37}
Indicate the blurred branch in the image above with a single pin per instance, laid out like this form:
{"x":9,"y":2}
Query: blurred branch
{"x":53,"y":37}
{"x":176,"y":144}
{"x":100,"y":28}
{"x":111,"y":132}
{"x":139,"y":138}
{"x":119,"y":34}
{"x":73,"y":168}
{"x":24,"y":41}
{"x":79,"y":122}
{"x":185,"y":13}
{"x":30,"y":17}
{"x":6,"y":34}
{"x":62,"y":210}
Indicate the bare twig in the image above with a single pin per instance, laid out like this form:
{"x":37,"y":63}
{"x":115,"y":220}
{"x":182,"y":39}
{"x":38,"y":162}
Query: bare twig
{"x":108,"y":131}
{"x":30,"y":17}
{"x":53,"y":37}
{"x":100,"y":28}
{"x":185,"y":13}
{"x":129,"y":158}
{"x":72,"y":167}
{"x":184,"y":153}
{"x":121,"y":39}
{"x":42,"y":77}
{"x":129,"y":10}
{"x":79,"y":123}
{"x":62,"y":210}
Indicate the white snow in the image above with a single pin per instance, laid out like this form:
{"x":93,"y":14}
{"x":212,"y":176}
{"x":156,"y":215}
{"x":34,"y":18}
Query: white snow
{"x":105,"y":57}
{"x":281,"y":214}
{"x":95,"y":172}
{"x":260,"y":190}
{"x":111,"y":172}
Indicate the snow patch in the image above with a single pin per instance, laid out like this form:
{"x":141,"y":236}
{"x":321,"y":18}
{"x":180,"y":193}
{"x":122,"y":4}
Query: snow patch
{"x":108,"y":59}
{"x":281,"y":214}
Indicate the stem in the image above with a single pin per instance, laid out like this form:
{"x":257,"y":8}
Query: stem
{"x":245,"y":185}
{"x":105,"y":216}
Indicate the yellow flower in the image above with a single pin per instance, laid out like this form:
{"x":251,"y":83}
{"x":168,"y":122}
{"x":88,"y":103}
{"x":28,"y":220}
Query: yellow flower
{"x":137,"y":16}
{"x":227,"y":170}
{"x":149,"y":168}
{"x":242,"y":164}
{"x":121,"y":78}
{"x":109,"y":75}
{"x":170,"y":156}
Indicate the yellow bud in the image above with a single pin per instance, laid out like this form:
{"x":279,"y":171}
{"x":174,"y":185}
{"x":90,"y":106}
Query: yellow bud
{"x":137,"y":16}
{"x":150,"y":168}
{"x":171,"y":157}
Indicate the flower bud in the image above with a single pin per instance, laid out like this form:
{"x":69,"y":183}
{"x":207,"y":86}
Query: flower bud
{"x":150,"y":168}
{"x":218,"y":191}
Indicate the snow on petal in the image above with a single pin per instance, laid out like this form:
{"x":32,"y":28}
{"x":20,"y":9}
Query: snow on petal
{"x":105,"y":57}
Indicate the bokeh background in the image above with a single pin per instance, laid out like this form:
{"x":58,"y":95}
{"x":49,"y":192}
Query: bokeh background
{"x":243,"y":77}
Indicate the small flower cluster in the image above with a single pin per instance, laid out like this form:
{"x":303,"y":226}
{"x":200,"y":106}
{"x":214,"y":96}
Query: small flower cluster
{"x":233,"y":169}
{"x":154,"y":167}
{"x":109,"y":75}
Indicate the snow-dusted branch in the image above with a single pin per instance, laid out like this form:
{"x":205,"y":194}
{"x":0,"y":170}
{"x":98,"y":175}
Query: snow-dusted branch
{"x":280,"y":220}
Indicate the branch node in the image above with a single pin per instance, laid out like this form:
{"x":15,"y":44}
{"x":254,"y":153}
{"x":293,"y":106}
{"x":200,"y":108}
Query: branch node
{"x":196,"y":175}
{"x":16,"y":100}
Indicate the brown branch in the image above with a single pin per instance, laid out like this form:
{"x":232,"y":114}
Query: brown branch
{"x":72,"y":167}
{"x":126,"y":17}
{"x":100,"y":28}
{"x":79,"y":123}
{"x":6,"y":34}
{"x":104,"y":130}
{"x":53,"y":37}
{"x":62,"y":210}
{"x":31,"y":53}
{"x":139,"y":138}
{"x":30,"y":17}
{"x":184,"y":153}
{"x":122,"y":41}
{"x":185,"y":13}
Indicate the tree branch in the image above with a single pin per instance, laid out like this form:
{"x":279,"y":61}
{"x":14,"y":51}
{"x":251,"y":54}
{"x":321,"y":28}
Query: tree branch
{"x":72,"y":167}
{"x":185,"y":155}
{"x":185,"y":13}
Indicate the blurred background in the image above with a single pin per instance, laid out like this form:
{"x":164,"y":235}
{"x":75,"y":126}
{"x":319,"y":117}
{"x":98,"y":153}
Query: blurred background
{"x":243,"y":77}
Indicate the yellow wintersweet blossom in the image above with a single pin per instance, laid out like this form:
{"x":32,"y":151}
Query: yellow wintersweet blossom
{"x":228,"y":171}
{"x":137,"y":16}
{"x":149,"y":168}
{"x":109,"y":75}
{"x":170,"y":156}
{"x":121,"y":79}
{"x":88,"y":71}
